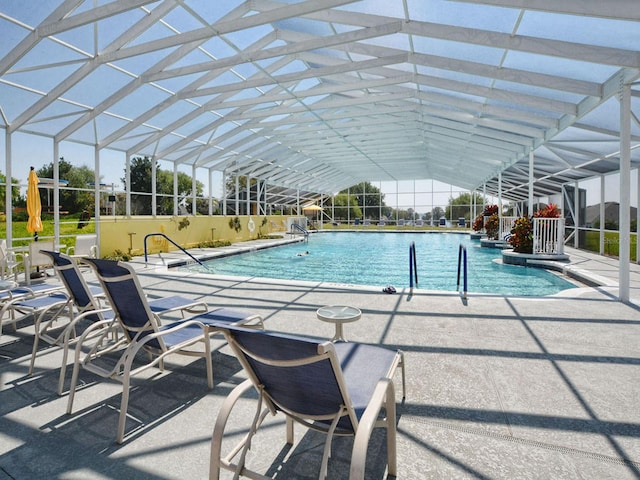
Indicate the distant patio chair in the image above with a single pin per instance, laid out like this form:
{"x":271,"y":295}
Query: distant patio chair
{"x":336,"y":388}
{"x":366,"y":222}
{"x":382,"y":223}
{"x":37,"y":260}
{"x":356,"y":222}
{"x":9,"y":263}
{"x":419,"y":223}
{"x":400,"y":222}
{"x":443,"y":222}
{"x":86,"y":246}
{"x":143,"y":331}
{"x":462,"y":222}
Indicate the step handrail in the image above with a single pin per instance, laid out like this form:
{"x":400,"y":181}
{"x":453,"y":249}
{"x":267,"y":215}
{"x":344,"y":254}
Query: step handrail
{"x":413,"y":265}
{"x":300,"y":228}
{"x":462,"y":261}
{"x":172,"y":242}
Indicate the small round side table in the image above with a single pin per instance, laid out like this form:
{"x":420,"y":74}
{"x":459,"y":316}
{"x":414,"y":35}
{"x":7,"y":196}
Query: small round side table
{"x":338,"y":315}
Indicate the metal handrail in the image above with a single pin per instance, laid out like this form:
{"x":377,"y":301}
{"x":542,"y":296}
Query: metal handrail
{"x":299,"y":227}
{"x":413,"y":265}
{"x":462,"y":261}
{"x":174,"y":244}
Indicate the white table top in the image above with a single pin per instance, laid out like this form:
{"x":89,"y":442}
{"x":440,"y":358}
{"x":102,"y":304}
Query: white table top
{"x":338,"y":313}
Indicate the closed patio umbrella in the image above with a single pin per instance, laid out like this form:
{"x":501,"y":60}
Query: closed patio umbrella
{"x":34,"y":206}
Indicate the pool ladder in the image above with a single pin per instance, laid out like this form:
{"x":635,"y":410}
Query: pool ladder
{"x":462,"y":262}
{"x":413,"y":265}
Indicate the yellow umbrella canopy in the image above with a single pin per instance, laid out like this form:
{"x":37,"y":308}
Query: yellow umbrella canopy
{"x":34,"y":207}
{"x":312,"y":208}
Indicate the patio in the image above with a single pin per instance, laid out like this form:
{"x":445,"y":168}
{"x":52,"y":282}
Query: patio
{"x":497,"y":387}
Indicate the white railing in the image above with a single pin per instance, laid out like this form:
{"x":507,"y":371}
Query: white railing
{"x":548,"y":236}
{"x":506,"y":224}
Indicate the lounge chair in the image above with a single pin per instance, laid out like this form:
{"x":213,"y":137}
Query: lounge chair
{"x":419,"y":223}
{"x":333,"y":388}
{"x":143,"y":331}
{"x":50,"y":301}
{"x":366,"y":222}
{"x":356,"y":222}
{"x":382,"y":223}
{"x":400,"y":222}
{"x":86,"y":307}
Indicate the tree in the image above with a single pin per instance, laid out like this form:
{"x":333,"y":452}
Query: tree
{"x":437,"y":213}
{"x":369,"y":198}
{"x":460,"y":207}
{"x":77,"y":198}
{"x":141,"y":182}
{"x":230,"y":187}
{"x":16,"y":199}
{"x":346,"y":207}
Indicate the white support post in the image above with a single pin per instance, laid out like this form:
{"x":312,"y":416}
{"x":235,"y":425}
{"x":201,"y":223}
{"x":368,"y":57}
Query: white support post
{"x":638,"y":217}
{"x":96,"y":161}
{"x":154,"y":187}
{"x":194,"y":191}
{"x":56,"y":193}
{"x":237,"y":199}
{"x":210,"y":192}
{"x":576,"y":214}
{"x":624,"y":250}
{"x":176,"y":207}
{"x":224,"y":193}
{"x":602,"y":214}
{"x":248,"y":195}
{"x":8,"y":201}
{"x":500,"y":204}
{"x":531,"y":181}
{"x":127,"y":185}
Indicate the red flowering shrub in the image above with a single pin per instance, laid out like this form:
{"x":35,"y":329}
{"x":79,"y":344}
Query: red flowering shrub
{"x":489,"y":210}
{"x":492,"y":226}
{"x":522,"y":231}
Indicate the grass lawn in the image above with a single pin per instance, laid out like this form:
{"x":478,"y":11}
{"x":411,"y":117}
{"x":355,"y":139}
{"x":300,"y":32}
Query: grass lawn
{"x":68,"y":230}
{"x":611,"y":243}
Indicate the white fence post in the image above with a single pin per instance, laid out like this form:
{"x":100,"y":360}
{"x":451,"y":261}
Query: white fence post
{"x":506,"y":226}
{"x":548,"y":236}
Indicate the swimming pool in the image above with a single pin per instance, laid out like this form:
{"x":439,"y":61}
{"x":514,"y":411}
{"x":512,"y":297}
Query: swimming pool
{"x":381,"y":259}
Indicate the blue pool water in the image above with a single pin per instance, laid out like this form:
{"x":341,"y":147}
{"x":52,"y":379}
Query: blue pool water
{"x":381,"y":259}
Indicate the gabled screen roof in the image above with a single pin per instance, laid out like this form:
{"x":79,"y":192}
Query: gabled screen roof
{"x":319,"y":95}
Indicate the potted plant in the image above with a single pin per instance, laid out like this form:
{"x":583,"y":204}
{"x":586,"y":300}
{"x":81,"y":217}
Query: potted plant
{"x":522,"y":231}
{"x":479,"y":222}
{"x":492,"y":226}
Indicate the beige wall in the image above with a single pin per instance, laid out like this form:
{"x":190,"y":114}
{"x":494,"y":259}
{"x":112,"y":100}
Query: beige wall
{"x":114,"y":231}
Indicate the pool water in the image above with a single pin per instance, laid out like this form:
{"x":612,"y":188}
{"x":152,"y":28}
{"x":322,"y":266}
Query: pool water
{"x":381,"y":259}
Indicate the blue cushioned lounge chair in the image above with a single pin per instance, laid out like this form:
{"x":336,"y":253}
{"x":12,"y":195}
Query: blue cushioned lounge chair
{"x":143,"y":331}
{"x":336,"y":388}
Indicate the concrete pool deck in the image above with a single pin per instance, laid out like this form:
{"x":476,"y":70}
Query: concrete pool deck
{"x":497,"y":387}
